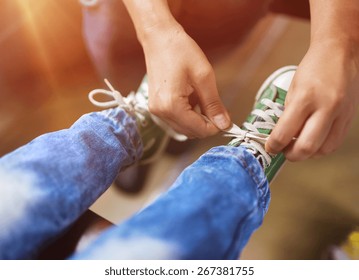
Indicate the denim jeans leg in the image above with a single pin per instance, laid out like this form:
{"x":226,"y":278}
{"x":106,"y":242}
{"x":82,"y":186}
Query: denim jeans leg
{"x":47,"y":184}
{"x":209,"y":213}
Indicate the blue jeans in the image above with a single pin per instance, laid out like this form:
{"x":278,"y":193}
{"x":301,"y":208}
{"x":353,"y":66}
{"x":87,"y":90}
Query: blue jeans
{"x":210,"y":211}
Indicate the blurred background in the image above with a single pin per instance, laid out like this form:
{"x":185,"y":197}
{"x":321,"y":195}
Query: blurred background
{"x":46,"y":73}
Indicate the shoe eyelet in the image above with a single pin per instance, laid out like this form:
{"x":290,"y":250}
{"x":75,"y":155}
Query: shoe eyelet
{"x":144,"y":123}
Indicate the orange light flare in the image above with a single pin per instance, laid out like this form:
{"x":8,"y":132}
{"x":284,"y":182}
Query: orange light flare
{"x":53,"y":34}
{"x":30,"y":11}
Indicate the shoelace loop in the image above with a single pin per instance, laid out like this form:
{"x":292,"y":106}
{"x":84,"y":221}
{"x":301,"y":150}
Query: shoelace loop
{"x":134,"y":104}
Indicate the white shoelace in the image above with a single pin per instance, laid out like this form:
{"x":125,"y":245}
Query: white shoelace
{"x":134,"y":103}
{"x":88,"y":3}
{"x":251,"y":137}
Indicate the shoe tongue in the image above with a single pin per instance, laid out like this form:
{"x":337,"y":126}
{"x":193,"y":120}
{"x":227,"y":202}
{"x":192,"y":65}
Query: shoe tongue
{"x":284,"y":80}
{"x":143,"y":88}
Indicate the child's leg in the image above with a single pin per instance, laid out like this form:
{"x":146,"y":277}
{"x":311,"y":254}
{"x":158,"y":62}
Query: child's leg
{"x":209,"y":213}
{"x":48,"y":183}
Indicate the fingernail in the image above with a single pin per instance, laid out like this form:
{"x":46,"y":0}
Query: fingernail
{"x":221,"y":121}
{"x":269,"y":148}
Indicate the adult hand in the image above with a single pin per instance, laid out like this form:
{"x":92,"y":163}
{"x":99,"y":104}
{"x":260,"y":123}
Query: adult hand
{"x":320,"y":103}
{"x":180,"y":77}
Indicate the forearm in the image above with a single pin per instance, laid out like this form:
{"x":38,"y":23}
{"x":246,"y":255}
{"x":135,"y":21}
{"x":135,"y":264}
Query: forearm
{"x":334,"y":19}
{"x":148,"y":15}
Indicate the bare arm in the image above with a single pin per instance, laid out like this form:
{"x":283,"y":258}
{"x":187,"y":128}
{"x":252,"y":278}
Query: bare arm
{"x":180,"y":75}
{"x":335,"y":19}
{"x":149,"y":14}
{"x":324,"y":95}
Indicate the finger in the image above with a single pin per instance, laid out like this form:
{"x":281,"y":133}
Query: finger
{"x":175,"y":110}
{"x":193,"y":100}
{"x":192,"y":124}
{"x":289,"y":125}
{"x":210,"y":102}
{"x":335,"y":137}
{"x":311,"y":138}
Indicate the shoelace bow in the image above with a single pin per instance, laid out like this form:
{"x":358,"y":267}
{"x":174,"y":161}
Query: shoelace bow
{"x":88,"y":3}
{"x":135,"y":104}
{"x":251,"y":137}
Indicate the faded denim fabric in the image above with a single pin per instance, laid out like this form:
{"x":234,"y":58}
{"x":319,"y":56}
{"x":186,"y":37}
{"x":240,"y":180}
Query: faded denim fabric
{"x":47,"y":184}
{"x":210,"y":211}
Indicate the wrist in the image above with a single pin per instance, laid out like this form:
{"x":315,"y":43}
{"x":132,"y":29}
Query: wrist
{"x":337,"y":20}
{"x":336,"y":37}
{"x":343,"y":52}
{"x":150,"y":16}
{"x":162,"y":29}
{"x":343,"y":46}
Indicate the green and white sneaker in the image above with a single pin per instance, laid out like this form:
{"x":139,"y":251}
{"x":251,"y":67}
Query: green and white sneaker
{"x":267,"y":109}
{"x":154,"y":132}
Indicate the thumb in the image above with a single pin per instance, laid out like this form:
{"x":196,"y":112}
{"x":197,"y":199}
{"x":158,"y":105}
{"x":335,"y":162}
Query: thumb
{"x":211,"y":104}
